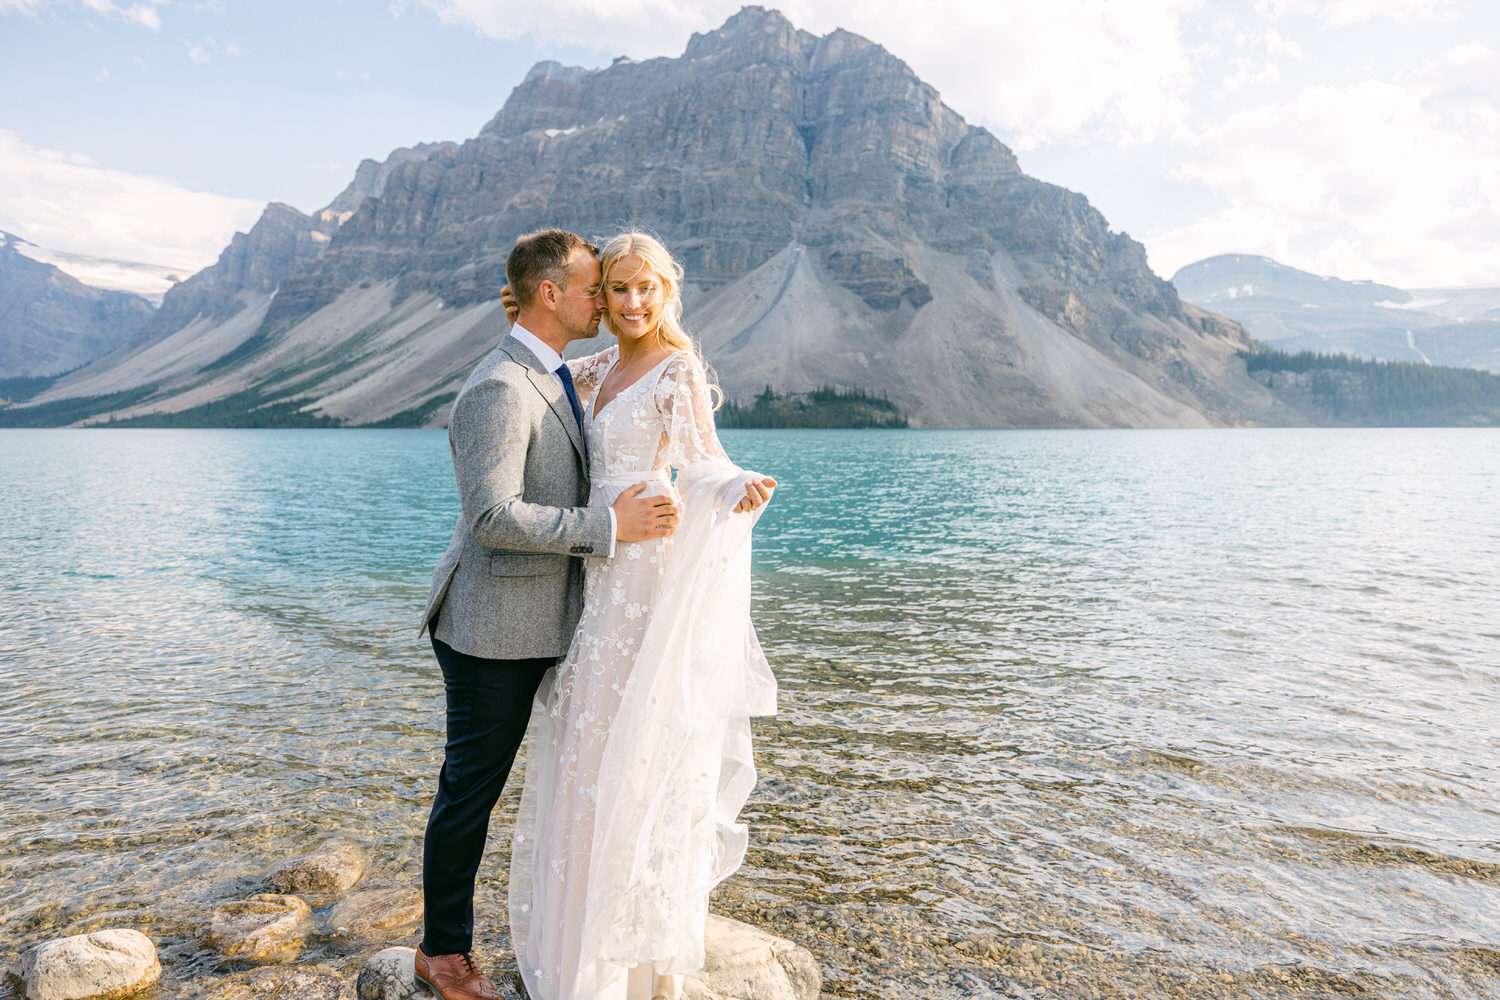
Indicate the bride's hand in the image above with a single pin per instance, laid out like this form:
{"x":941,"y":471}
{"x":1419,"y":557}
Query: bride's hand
{"x":757,"y":493}
{"x":508,"y":303}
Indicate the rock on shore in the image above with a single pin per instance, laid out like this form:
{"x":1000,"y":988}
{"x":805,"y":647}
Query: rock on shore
{"x":264,"y":928}
{"x":103,"y":965}
{"x":333,"y":868}
{"x":742,"y":963}
{"x":389,"y":975}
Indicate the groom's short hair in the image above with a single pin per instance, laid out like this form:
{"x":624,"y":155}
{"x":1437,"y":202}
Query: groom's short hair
{"x":542,"y":256}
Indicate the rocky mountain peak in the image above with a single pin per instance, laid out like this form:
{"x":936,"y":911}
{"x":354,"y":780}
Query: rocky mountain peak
{"x":371,"y":175}
{"x":841,"y":46}
{"x":754,"y":32}
{"x":550,"y":69}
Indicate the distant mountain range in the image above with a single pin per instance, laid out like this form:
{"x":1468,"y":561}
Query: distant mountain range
{"x":841,"y":227}
{"x":50,"y":322}
{"x":1297,"y":311}
{"x":150,"y":281}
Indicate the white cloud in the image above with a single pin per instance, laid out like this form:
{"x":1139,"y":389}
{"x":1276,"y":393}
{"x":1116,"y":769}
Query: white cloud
{"x":146,"y":13}
{"x":1397,"y":181}
{"x":1342,"y":13}
{"x":1043,"y":72}
{"x":203,"y":52}
{"x":65,"y":203}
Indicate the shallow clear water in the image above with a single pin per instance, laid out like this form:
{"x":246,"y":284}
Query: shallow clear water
{"x":1064,"y":714}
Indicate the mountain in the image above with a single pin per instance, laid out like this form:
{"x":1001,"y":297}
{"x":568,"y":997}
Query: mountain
{"x":149,"y":281}
{"x":50,"y":322}
{"x":841,"y":227}
{"x":1296,"y":311}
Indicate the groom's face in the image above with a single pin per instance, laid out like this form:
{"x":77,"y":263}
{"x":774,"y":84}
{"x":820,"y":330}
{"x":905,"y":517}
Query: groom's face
{"x":580,"y":306}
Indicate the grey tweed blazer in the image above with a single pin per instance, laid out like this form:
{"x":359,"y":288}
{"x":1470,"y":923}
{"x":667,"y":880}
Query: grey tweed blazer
{"x":510,"y":585}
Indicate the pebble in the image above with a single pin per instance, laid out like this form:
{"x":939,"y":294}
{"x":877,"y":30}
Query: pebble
{"x":103,"y":965}
{"x":264,"y":928}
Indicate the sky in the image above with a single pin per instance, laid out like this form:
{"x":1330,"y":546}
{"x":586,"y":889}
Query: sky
{"x":1355,"y":138}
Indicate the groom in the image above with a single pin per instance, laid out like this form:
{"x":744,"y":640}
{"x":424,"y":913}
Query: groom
{"x":507,"y":594}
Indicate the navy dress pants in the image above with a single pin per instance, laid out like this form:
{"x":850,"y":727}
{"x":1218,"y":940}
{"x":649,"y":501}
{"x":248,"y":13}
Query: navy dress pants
{"x":489,"y":704}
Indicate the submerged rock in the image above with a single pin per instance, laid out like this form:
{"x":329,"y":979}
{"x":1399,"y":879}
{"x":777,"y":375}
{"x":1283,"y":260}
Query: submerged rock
{"x":376,"y":913}
{"x":103,"y":965}
{"x":277,"y":984}
{"x":745,"y":963}
{"x":334,"y":867}
{"x":264,"y":928}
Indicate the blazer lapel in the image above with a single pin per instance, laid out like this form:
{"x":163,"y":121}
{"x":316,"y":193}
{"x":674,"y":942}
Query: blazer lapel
{"x":546,"y":384}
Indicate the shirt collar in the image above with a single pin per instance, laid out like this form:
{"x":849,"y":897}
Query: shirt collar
{"x":546,"y":355}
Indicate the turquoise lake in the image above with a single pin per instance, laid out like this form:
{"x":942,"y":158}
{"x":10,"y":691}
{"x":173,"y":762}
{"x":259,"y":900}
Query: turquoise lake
{"x":1064,"y":714}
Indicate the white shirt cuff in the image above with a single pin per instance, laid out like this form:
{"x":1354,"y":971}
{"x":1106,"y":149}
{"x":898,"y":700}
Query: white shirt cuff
{"x":614,"y":528}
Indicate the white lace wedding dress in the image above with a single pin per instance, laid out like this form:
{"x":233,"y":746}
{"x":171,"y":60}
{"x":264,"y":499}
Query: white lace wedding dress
{"x":638,"y":752}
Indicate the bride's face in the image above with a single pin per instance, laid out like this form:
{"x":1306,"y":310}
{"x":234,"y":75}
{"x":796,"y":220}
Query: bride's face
{"x":633,"y":295}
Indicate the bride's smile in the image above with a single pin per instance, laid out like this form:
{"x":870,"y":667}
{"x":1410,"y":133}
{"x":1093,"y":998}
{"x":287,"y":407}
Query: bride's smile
{"x":632,"y":294}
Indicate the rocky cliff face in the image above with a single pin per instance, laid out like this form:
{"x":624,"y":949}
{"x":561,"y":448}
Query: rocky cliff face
{"x":50,"y":322}
{"x":253,"y":265}
{"x":839,"y":225}
{"x":370,"y":176}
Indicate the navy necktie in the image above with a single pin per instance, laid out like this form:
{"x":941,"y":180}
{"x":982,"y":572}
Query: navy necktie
{"x":567,"y":381}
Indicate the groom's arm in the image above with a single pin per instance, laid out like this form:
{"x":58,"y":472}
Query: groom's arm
{"x":490,"y":436}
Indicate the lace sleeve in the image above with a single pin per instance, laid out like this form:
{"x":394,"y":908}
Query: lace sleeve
{"x":683,"y":398}
{"x":589,"y":371}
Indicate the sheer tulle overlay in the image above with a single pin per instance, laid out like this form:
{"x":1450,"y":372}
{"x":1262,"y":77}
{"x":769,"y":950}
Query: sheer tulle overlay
{"x":638,"y":755}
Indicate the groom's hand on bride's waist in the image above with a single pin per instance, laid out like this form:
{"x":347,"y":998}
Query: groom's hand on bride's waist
{"x":639,"y":518}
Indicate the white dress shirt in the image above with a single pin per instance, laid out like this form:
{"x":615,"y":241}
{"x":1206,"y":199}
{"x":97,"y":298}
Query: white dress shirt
{"x":544,"y":353}
{"x":553,"y":361}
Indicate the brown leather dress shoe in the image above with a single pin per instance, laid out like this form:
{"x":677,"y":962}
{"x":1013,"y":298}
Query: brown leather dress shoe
{"x":453,"y":977}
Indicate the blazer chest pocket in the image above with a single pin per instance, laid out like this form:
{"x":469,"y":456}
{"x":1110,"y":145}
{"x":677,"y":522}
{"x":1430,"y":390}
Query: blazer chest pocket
{"x":527,"y":564}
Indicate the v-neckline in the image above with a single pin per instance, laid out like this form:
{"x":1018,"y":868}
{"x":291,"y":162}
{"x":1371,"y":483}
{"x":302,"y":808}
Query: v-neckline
{"x":596,"y":409}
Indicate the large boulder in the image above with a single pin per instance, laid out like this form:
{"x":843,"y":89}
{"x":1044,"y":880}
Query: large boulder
{"x":332,"y":868}
{"x":103,"y":965}
{"x":745,"y":963}
{"x":277,"y":984}
{"x":264,"y":928}
{"x":376,"y":913}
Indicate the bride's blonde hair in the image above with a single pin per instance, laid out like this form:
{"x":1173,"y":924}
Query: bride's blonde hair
{"x":658,"y":259}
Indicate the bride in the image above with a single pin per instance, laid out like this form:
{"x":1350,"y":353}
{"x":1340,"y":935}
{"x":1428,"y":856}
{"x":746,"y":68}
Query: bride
{"x":638,"y":750}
